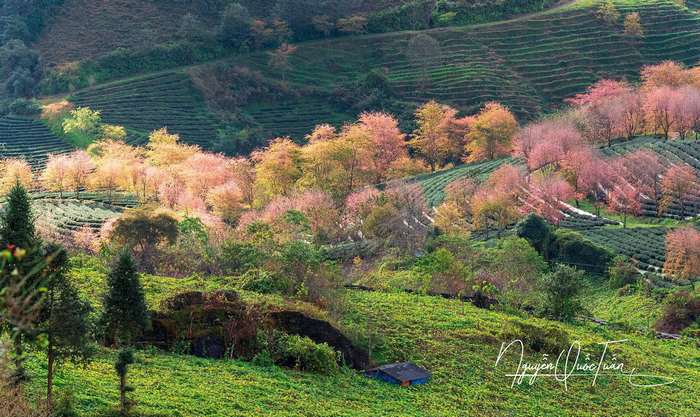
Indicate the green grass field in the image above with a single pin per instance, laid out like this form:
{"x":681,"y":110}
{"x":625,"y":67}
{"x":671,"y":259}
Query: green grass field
{"x":457,"y":342}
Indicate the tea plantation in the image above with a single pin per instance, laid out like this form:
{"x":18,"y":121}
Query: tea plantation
{"x":152,"y":102}
{"x":457,"y":342}
{"x":29,"y":140}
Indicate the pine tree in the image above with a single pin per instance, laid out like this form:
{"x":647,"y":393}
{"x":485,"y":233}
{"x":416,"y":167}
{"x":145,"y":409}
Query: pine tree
{"x":64,"y":319}
{"x":125,"y":315}
{"x":17,"y":232}
{"x":16,"y":223}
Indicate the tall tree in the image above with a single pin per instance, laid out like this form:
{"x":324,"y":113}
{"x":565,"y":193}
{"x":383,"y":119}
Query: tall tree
{"x":124,"y":314}
{"x":491,"y":133}
{"x":424,"y":52}
{"x":679,"y":185}
{"x":143,"y":229}
{"x":17,"y":223}
{"x":64,"y":319}
{"x":432,"y":139}
{"x":683,"y":253}
{"x":78,"y":171}
{"x":55,"y":174}
{"x":18,"y":235}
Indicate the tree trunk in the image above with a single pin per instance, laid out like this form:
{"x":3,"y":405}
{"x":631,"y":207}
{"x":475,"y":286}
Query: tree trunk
{"x":49,"y":377}
{"x":122,"y":394}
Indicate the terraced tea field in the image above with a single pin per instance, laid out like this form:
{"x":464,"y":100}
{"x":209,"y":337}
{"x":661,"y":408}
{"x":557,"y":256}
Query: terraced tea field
{"x":152,"y":102}
{"x":670,"y":152}
{"x":434,"y":183}
{"x":295,"y":117}
{"x":66,"y":216}
{"x":645,"y":244}
{"x":529,"y":64}
{"x":29,"y":140}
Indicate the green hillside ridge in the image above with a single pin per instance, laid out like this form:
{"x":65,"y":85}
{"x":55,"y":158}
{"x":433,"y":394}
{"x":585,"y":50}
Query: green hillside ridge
{"x":457,"y":342}
{"x":530,"y":64}
{"x":82,"y":30}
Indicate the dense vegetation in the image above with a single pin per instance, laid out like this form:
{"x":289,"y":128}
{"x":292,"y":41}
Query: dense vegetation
{"x":233,"y":207}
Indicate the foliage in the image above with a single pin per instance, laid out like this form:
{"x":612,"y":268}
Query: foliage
{"x":572,"y":248}
{"x":562,"y":289}
{"x":82,"y":126}
{"x":301,"y":352}
{"x":537,"y":232}
{"x":622,"y":272}
{"x":682,"y":309}
{"x":124,"y":314}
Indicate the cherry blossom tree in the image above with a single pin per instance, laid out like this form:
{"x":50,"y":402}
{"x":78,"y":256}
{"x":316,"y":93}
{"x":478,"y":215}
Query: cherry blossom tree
{"x":679,"y":185}
{"x":659,"y":109}
{"x":683,"y":253}
{"x":665,"y":74}
{"x":547,"y":143}
{"x":434,"y":139}
{"x":624,"y":199}
{"x":78,"y":171}
{"x":643,"y":169}
{"x":54,"y":177}
{"x":546,"y":195}
{"x":387,"y":141}
{"x":13,"y":171}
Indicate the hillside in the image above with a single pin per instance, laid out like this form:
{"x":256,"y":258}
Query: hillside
{"x":456,"y":341}
{"x":83,"y":29}
{"x":531,"y":64}
{"x":29,"y":140}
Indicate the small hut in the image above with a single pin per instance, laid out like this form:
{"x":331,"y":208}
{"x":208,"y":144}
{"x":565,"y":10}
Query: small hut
{"x":403,"y":373}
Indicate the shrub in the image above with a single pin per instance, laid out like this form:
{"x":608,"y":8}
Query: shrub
{"x":301,"y":353}
{"x":238,"y":257}
{"x":571,"y":248}
{"x":24,"y":107}
{"x":547,"y":338}
{"x":622,"y":272}
{"x":536,"y":230}
{"x":561,"y":289}
{"x":682,"y":310}
{"x":262,"y":281}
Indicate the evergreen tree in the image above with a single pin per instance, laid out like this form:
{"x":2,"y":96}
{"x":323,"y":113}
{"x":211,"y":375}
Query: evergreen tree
{"x":64,"y":319}
{"x":125,"y":316}
{"x":17,"y":232}
{"x":16,"y":223}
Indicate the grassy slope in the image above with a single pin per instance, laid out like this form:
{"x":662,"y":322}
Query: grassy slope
{"x":457,"y":342}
